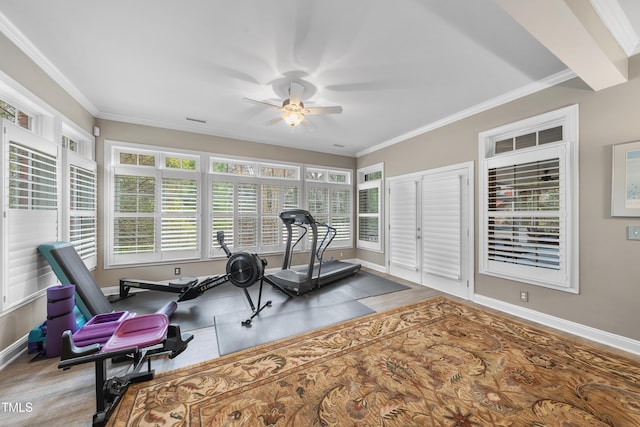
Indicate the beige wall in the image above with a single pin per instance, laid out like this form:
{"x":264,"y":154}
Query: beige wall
{"x":18,"y":66}
{"x":609,"y":264}
{"x":119,"y":131}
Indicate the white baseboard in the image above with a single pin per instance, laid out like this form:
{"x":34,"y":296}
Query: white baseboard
{"x":376,"y":267}
{"x":603,"y":337}
{"x":10,"y":353}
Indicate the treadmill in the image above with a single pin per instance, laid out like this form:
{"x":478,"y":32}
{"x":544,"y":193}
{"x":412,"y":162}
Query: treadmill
{"x":314,"y":275}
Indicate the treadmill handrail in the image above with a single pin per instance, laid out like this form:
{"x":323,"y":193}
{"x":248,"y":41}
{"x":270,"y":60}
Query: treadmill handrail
{"x":323,"y":246}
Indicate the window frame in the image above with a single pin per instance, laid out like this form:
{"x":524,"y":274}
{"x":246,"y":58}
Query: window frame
{"x":567,"y":278}
{"x":364,"y":185}
{"x":159,"y":172}
{"x":83,"y":157}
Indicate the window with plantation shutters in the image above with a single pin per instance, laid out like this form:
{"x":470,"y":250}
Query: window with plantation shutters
{"x":329,"y":201}
{"x":246,"y":201}
{"x":79,"y":186}
{"x":156,"y":207}
{"x":167,"y":206}
{"x":528,"y":207}
{"x":369,"y":231}
{"x":32,"y":210}
{"x":330,"y":205}
{"x":369,"y":212}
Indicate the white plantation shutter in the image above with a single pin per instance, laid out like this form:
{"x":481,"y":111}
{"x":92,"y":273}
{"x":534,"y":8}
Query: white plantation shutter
{"x":331,"y":204}
{"x":247,"y":224}
{"x":369,"y":214}
{"x":526,"y":214}
{"x":32,"y":212}
{"x":319,"y":208}
{"x":83,"y":208}
{"x":270,"y":223}
{"x":134,"y":235}
{"x":402,"y":216}
{"x":249,"y":213}
{"x":222,"y":209}
{"x":290,"y":197}
{"x":179,"y":224}
{"x":441,"y":226}
{"x":276,"y":197}
{"x":319,"y":201}
{"x":290,"y":200}
{"x":369,"y":208}
{"x":340,"y":218}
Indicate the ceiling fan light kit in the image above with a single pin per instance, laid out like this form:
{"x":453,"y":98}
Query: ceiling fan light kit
{"x":292,"y":118}
{"x":293,"y":111}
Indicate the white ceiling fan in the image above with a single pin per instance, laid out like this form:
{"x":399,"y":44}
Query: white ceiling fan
{"x":293,"y":110}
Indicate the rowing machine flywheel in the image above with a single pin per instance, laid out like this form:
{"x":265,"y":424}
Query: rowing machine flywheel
{"x":244,"y":269}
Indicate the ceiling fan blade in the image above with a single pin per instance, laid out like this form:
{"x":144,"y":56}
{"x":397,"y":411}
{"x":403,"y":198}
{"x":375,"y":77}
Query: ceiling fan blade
{"x":324,"y":110}
{"x":308,"y":125}
{"x":262,"y":103}
{"x":295,"y":93}
{"x":273,"y":121}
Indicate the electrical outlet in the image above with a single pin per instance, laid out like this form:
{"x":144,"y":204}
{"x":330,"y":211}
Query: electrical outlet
{"x":176,"y":271}
{"x":524,"y":296}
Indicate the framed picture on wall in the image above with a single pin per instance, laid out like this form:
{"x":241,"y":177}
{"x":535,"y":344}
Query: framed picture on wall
{"x":625,"y":182}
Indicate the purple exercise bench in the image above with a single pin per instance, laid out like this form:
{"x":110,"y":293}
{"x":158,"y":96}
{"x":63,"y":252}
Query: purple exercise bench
{"x":137,"y":338}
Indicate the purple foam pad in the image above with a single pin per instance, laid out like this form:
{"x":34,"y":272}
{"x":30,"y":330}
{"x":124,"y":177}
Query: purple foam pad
{"x":139,"y":331}
{"x":100,"y":327}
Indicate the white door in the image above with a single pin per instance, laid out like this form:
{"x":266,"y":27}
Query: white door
{"x":430,"y":231}
{"x":404,"y":254}
{"x":445,"y":234}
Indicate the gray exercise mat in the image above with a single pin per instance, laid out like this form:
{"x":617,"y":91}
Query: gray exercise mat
{"x":228,"y":299}
{"x":280,"y":321}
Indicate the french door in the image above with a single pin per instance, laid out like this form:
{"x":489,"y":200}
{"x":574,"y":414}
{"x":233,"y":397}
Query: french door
{"x":431,"y":229}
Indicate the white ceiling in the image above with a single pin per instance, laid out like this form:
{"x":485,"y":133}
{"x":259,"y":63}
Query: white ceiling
{"x":398,"y":68}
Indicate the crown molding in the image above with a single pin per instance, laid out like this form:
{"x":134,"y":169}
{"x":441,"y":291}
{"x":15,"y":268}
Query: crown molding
{"x":616,"y":21}
{"x":204,"y":130}
{"x":33,"y":53}
{"x":529,"y":89}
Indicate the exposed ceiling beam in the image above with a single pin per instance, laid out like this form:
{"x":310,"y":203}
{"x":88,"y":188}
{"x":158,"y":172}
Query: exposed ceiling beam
{"x":572,"y":30}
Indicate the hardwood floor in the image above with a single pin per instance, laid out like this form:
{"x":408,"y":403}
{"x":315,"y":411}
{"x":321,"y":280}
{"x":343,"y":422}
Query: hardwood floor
{"x":38,"y":393}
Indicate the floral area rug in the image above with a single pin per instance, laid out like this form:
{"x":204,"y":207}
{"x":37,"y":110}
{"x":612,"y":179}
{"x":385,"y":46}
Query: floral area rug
{"x":434,"y":363}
